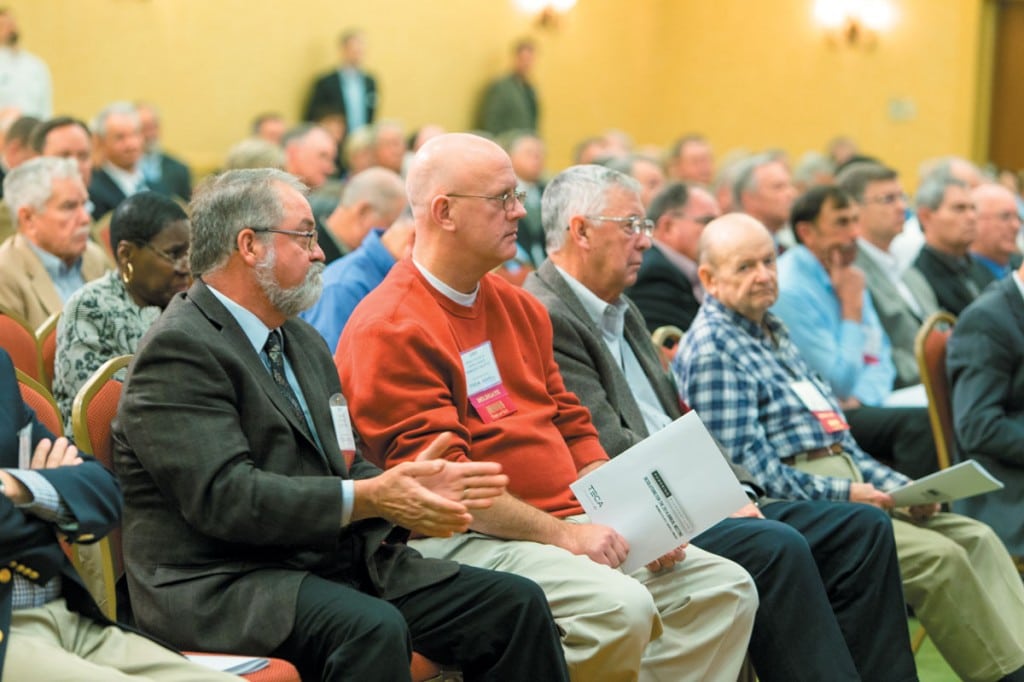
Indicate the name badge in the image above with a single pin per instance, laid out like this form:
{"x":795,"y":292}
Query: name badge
{"x":816,"y":403}
{"x":343,"y":427}
{"x":872,"y":345}
{"x":487,"y":394}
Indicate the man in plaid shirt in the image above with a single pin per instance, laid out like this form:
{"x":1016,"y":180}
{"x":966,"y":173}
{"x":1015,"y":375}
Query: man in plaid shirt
{"x":739,"y":370}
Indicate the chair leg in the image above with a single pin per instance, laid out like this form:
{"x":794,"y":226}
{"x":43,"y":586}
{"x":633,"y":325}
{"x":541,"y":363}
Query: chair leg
{"x":918,"y":639}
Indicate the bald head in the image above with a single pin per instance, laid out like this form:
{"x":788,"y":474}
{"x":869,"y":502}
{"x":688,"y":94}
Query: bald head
{"x":446,"y":162}
{"x":737,"y":265}
{"x":461,"y":189}
{"x":723,"y":234}
{"x":998,"y":223}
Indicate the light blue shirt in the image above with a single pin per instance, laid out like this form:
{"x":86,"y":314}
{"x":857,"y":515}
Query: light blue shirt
{"x":257,"y":333}
{"x":347,"y":281}
{"x":354,"y":92}
{"x":610,"y":318}
{"x":66,"y":278}
{"x":855,"y":358}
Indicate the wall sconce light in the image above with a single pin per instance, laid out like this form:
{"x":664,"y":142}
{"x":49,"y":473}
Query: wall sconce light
{"x":855,"y":22}
{"x":548,"y":12}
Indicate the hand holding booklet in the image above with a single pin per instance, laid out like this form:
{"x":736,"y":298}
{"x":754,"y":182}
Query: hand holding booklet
{"x":962,"y":480}
{"x":663,"y":491}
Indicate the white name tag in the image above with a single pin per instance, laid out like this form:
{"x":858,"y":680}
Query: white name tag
{"x":481,"y":368}
{"x":816,"y":403}
{"x":342,"y":423}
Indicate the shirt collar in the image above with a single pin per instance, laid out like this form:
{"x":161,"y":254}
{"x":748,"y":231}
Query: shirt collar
{"x":128,"y":181}
{"x":771,"y":327}
{"x":462,"y":299}
{"x":1018,"y":282}
{"x":609,"y":317}
{"x":251,"y":325}
{"x":55,"y":267}
{"x":883,"y":259}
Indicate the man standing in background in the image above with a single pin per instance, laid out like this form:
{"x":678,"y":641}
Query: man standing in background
{"x":510,"y":103}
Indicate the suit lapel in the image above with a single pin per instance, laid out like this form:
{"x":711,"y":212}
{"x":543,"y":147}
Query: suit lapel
{"x":315,"y":391}
{"x":638,"y":339}
{"x":42,"y":285}
{"x":237,"y":339}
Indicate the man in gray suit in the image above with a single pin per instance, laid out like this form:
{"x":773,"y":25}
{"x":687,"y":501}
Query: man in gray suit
{"x":807,"y":558}
{"x":903,"y":300}
{"x":252,"y":524}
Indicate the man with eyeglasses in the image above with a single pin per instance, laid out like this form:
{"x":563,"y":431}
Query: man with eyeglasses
{"x":806,"y":557}
{"x":443,"y":345}
{"x":949,"y":222}
{"x":667,"y":290}
{"x":901,"y":296}
{"x":995,"y":246}
{"x":267,"y":532}
{"x":831,"y":319}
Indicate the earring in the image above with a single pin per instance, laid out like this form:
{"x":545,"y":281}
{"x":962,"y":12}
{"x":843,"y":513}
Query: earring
{"x":126,"y":273}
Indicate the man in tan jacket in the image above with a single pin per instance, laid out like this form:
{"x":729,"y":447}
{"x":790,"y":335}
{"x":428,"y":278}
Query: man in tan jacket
{"x":51,"y":256}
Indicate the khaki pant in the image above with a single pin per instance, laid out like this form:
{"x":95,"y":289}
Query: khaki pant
{"x":53,"y":644}
{"x":702,"y":608}
{"x":961,"y":582}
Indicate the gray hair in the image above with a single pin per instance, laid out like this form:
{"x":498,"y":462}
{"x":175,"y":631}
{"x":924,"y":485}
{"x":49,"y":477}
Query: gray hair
{"x":746,"y":176}
{"x":356,"y":141}
{"x":228,"y":203}
{"x":379,"y":187}
{"x":99,"y":124}
{"x":254,"y":152}
{"x":932,"y":190}
{"x":31,"y":183}
{"x":297,"y":134}
{"x":578,"y":190}
{"x":810,"y":166}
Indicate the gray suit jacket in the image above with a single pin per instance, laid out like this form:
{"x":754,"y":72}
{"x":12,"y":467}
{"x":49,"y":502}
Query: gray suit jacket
{"x":985,"y":361}
{"x":899,"y":321}
{"x":230,"y":501}
{"x":590,"y":371}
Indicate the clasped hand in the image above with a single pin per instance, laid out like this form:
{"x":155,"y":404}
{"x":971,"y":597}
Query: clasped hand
{"x":432,"y":495}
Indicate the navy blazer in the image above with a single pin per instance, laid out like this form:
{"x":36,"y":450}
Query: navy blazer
{"x":663,"y":293}
{"x":985,"y":361}
{"x":29,"y":545}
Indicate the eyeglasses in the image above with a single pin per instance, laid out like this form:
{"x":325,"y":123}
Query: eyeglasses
{"x":310,"y":236}
{"x":508,"y":199}
{"x":632,"y":225}
{"x":887,"y":199}
{"x":179,"y":257}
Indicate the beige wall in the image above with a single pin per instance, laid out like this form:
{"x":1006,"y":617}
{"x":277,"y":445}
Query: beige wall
{"x":747,"y":73}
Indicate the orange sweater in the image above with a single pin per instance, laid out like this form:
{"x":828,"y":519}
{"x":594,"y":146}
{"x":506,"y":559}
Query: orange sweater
{"x":399,"y":361}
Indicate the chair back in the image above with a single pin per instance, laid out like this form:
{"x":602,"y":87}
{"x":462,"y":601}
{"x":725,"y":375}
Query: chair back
{"x":19,"y":340}
{"x":42,"y":403}
{"x":46,"y":337}
{"x":92,"y":412}
{"x":930,"y":349}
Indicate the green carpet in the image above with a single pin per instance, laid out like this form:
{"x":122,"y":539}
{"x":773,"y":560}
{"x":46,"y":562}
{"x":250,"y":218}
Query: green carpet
{"x":930,"y":665}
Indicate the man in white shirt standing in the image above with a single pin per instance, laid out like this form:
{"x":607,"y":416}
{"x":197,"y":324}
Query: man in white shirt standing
{"x":24,"y":78}
{"x":902,"y":297}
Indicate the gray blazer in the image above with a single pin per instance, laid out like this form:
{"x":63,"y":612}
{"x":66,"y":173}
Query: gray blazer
{"x":899,"y":321}
{"x":590,"y":371}
{"x":230,"y":501}
{"x":985,"y":361}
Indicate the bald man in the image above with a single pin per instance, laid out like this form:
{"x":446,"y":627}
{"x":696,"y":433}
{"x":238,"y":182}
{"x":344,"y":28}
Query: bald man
{"x":442,"y":345}
{"x":995,"y":244}
{"x":738,"y":368}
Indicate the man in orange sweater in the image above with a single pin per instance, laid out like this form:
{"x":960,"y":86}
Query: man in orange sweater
{"x":441,"y":345}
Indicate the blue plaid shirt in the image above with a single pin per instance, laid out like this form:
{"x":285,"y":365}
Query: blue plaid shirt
{"x":47,"y":505}
{"x":737,"y":376}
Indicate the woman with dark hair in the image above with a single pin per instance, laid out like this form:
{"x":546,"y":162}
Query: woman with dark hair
{"x":149,"y":235}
